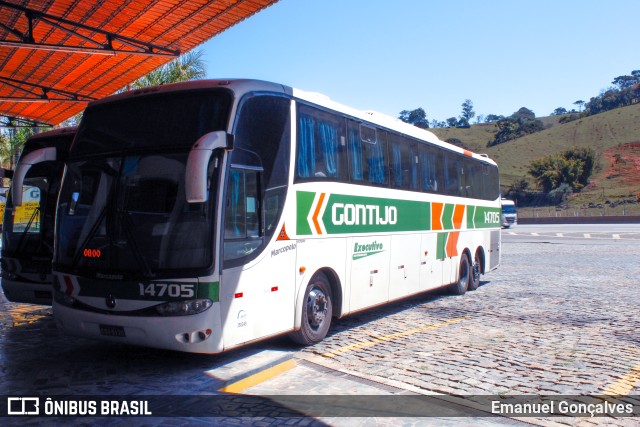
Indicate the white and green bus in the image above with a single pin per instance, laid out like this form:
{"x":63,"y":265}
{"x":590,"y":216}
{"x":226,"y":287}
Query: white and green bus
{"x":202,"y":216}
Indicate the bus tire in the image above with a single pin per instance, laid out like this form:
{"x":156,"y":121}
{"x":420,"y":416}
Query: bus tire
{"x":464,"y":276}
{"x":476,"y":270}
{"x":317,"y":310}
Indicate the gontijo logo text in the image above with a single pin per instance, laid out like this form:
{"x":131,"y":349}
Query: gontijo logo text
{"x":350,"y":214}
{"x":322,"y":213}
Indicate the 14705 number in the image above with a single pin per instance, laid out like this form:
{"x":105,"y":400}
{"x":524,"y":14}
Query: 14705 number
{"x":173,"y":290}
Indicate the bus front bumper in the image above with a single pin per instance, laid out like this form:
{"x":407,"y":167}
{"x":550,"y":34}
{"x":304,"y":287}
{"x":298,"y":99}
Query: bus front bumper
{"x":198,"y":333}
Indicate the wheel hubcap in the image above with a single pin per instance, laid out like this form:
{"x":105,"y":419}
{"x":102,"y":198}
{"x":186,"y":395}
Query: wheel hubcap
{"x":316,"y":307}
{"x":476,"y":271}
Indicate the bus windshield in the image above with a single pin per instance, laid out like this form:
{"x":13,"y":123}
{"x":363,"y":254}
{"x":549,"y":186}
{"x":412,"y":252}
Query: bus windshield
{"x":122,"y":205}
{"x":29,"y":230}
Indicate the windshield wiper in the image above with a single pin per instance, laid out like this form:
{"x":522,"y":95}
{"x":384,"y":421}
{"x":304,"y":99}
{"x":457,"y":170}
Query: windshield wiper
{"x":22,"y":240}
{"x":92,"y":232}
{"x":125,"y":220}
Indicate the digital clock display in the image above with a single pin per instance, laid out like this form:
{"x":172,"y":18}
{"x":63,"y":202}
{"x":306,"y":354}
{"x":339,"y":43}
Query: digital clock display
{"x":92,"y":253}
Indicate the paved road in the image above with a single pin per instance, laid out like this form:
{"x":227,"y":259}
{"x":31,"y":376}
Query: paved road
{"x":559,"y":317}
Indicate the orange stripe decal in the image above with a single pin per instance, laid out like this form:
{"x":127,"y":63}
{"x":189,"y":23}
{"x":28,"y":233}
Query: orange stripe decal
{"x":436,"y":216}
{"x":452,"y":244}
{"x":468,"y":153}
{"x":316,"y":213}
{"x":458,"y":214}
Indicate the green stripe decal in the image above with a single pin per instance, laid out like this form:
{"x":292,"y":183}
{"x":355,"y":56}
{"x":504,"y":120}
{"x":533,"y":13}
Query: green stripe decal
{"x":441,"y":252}
{"x":470,"y":215}
{"x":331,"y":214}
{"x":486,"y":217}
{"x":447,"y":216}
{"x":209,"y":290}
{"x":304,"y":200}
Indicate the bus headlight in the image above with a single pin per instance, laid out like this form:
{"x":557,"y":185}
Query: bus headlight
{"x":184,"y":308}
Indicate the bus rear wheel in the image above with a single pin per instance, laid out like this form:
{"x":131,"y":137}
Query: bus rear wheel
{"x":476,"y":270}
{"x":317,"y":310}
{"x":464,"y":276}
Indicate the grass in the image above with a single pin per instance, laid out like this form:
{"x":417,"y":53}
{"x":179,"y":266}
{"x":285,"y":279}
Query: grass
{"x":606,"y":133}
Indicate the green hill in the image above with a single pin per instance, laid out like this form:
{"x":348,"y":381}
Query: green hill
{"x":613,"y":135}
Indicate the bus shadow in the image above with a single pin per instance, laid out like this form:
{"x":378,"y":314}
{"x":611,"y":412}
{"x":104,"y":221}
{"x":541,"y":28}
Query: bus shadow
{"x":372,"y":314}
{"x":37,"y":358}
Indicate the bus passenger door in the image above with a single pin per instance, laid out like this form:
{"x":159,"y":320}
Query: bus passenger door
{"x":257,"y":283}
{"x":369,"y":256}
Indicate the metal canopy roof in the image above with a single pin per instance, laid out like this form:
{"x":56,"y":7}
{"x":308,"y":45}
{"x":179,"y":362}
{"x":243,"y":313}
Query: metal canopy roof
{"x":57,"y":55}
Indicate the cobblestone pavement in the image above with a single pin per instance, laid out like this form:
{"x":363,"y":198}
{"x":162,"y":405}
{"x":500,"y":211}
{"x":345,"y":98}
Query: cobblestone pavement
{"x":559,"y":317}
{"x":554,"y":319}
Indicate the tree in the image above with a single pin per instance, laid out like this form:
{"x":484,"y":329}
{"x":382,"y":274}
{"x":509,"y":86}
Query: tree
{"x":467,"y":111}
{"x":452,"y":122}
{"x":624,"y":82}
{"x":189,"y":66}
{"x":493,"y":118}
{"x":518,"y":190}
{"x":520,"y":123}
{"x":416,"y":117}
{"x":524,"y":115}
{"x":12,"y":144}
{"x":559,"y":111}
{"x":572,"y":167}
{"x":580,"y":103}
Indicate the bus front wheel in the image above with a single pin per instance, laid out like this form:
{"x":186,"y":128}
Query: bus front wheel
{"x":464,"y":275}
{"x":317,"y":310}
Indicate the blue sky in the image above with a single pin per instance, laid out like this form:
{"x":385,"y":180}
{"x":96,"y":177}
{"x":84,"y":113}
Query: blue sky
{"x":392,"y":55}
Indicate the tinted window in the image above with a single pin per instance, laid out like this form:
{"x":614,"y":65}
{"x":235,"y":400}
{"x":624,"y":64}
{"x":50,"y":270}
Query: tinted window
{"x":321,"y":145}
{"x":431,"y":169}
{"x":258,"y":176}
{"x":403,"y":162}
{"x":367,"y":148}
{"x":160,"y":120}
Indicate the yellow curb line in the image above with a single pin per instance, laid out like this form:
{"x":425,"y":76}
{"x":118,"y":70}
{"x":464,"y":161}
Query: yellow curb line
{"x":393,"y":336}
{"x":624,"y":385}
{"x":260,"y":377}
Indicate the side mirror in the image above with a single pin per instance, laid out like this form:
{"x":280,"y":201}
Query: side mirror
{"x":197,"y":163}
{"x":33,"y":158}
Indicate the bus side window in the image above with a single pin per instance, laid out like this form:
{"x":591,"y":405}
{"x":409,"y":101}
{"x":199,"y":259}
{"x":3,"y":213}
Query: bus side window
{"x":491,"y":182}
{"x":321,"y":150}
{"x":375,"y":146}
{"x":429,"y":172}
{"x":452,"y":174}
{"x":403,"y":164}
{"x":273,"y":200}
{"x":472,"y":179}
{"x":356,"y":164}
{"x":242,"y":219}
